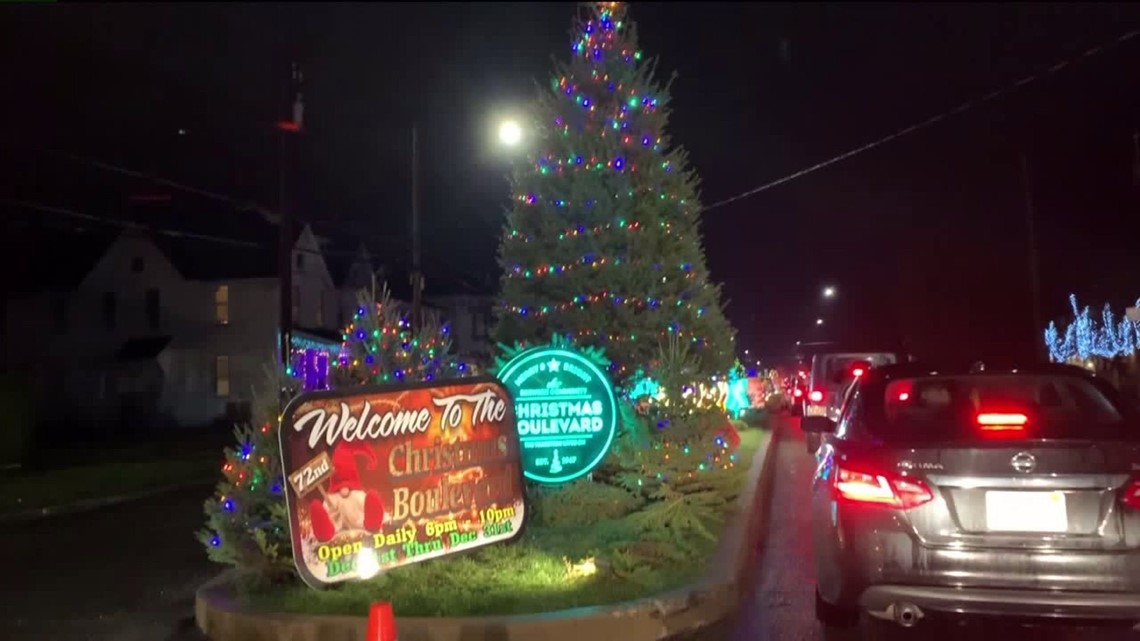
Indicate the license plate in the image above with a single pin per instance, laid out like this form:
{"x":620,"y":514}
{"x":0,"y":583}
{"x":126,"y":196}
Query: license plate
{"x":816,"y":410}
{"x":1026,"y":512}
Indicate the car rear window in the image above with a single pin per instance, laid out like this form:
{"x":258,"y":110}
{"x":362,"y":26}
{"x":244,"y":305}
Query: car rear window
{"x":839,"y":370}
{"x":1003,"y":407}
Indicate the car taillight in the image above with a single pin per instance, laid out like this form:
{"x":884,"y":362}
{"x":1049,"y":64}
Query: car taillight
{"x":798,"y":392}
{"x":815,"y":396}
{"x":1131,"y":495}
{"x":857,"y":372}
{"x":1002,"y":422}
{"x":867,"y":486}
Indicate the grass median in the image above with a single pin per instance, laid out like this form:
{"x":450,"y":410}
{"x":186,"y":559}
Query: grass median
{"x":51,"y":488}
{"x":549,"y":568}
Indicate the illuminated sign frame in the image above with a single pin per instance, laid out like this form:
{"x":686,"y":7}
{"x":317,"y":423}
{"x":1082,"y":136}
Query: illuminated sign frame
{"x":598,"y":390}
{"x":387,"y":476}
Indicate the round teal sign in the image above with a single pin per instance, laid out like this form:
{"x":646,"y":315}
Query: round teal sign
{"x":565,"y":410}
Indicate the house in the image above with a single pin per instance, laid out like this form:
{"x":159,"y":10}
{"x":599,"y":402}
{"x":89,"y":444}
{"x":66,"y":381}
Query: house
{"x":164,"y":330}
{"x":470,"y":320}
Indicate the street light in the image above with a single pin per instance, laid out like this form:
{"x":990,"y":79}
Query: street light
{"x":510,"y":133}
{"x":818,"y":322}
{"x":829,"y":292}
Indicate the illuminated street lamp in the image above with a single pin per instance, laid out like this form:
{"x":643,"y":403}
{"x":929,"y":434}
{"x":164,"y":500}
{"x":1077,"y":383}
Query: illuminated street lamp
{"x":829,"y":292}
{"x":510,"y":133}
{"x":818,"y":322}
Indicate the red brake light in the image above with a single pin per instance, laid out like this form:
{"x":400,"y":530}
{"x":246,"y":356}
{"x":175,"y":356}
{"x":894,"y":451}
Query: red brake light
{"x":1002,"y":422}
{"x":904,"y":396}
{"x":798,"y":392}
{"x":857,"y":372}
{"x":815,"y":396}
{"x":860,"y":486}
{"x":1131,"y":495}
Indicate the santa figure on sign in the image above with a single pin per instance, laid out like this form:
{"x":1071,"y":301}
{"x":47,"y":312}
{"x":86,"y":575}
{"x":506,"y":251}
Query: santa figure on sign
{"x":346,"y":505}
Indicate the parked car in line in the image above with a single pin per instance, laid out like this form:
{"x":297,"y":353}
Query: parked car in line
{"x":829,"y":379}
{"x":944,"y":493}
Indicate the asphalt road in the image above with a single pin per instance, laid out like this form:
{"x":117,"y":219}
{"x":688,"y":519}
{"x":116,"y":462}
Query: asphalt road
{"x":128,"y":573}
{"x":124,"y":573}
{"x":782,"y":604}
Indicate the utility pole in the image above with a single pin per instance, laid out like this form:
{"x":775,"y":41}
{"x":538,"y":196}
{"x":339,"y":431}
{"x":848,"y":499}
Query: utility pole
{"x":417,"y":275}
{"x":1034,"y":270}
{"x":287,"y":128}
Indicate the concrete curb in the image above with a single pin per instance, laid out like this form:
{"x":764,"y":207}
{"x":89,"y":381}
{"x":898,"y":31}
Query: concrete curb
{"x":716,"y":597}
{"x":87,"y":505}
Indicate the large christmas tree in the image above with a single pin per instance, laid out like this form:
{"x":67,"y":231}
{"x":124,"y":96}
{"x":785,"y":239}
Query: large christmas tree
{"x":602,"y":242}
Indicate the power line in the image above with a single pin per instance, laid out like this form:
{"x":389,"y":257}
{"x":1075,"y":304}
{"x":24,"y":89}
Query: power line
{"x":106,"y":166}
{"x":242,"y":205}
{"x":182,"y":234}
{"x":962,"y":108}
{"x":162,"y":231}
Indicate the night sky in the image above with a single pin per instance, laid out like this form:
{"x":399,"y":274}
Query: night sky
{"x":925,"y":236}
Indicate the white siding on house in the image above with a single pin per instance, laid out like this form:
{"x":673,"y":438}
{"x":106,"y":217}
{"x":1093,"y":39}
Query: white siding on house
{"x":65,"y":345}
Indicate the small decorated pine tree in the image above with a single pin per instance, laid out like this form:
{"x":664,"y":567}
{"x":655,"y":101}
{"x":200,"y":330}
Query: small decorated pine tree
{"x":381,"y":346}
{"x":246,"y":524}
{"x":246,"y":521}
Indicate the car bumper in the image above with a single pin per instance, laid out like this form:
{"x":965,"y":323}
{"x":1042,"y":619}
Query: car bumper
{"x":883,"y":601}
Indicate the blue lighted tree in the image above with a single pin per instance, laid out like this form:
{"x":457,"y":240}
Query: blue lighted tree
{"x":1085,"y":337}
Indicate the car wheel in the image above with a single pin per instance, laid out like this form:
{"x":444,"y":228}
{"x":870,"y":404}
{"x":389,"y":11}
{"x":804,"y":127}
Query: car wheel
{"x":833,"y":616}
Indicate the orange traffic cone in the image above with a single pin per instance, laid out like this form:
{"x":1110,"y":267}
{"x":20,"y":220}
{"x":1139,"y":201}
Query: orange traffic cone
{"x":381,"y":623}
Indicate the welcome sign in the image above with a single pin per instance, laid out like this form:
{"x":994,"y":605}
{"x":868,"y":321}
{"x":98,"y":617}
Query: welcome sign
{"x":383,"y":477}
{"x":566,"y":413}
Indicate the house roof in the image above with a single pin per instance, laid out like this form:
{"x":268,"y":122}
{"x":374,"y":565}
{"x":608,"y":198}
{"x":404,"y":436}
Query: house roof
{"x":28,"y":270}
{"x":319,"y":334}
{"x":339,"y":267}
{"x":215,"y":242}
{"x":218,"y":261}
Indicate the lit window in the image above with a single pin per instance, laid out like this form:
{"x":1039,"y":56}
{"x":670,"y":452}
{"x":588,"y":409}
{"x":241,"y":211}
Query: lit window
{"x":222,"y":304}
{"x":222,"y":375}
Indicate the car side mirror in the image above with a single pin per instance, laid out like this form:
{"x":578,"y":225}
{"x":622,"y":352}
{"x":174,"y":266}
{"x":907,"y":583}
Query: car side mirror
{"x":817,"y":425}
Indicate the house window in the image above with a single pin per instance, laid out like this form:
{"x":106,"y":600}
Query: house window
{"x":296,"y":302}
{"x":321,"y":310}
{"x":59,"y":313}
{"x":300,"y":261}
{"x":109,"y":310}
{"x":222,"y":375}
{"x":152,"y":304}
{"x":222,"y":304}
{"x":137,"y":264}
